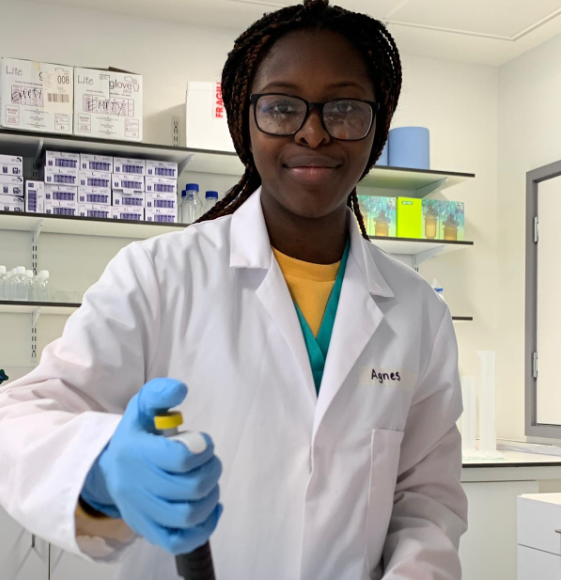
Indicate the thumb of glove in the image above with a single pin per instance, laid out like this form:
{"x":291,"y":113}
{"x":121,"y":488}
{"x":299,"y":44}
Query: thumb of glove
{"x":154,"y":397}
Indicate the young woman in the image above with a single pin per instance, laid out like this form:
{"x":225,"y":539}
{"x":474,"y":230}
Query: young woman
{"x":324,"y":371}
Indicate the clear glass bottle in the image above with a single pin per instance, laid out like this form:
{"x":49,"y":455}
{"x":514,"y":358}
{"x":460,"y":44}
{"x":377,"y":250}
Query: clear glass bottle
{"x":20,"y":284}
{"x":30,"y":285}
{"x":192,"y":206}
{"x":42,"y":293}
{"x":211,"y":199}
{"x":3,"y":283}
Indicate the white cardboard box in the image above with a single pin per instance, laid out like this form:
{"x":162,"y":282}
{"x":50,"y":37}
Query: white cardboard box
{"x":161,"y":215}
{"x":102,"y":163}
{"x":62,"y":159}
{"x":207,"y":127}
{"x":13,"y":179}
{"x":11,"y":189}
{"x":161,"y":185}
{"x":94,"y":210}
{"x":61,"y":207}
{"x":129,"y":199}
{"x":127,"y":213}
{"x":36,"y":96}
{"x":35,"y":197}
{"x":94,"y":195}
{"x":12,"y":203}
{"x":61,"y":193}
{"x":161,"y":200}
{"x":11,"y":165}
{"x":130,"y":183}
{"x":128,"y":165}
{"x":61,"y":176}
{"x":108,"y":104}
{"x":161,"y":168}
{"x":95,"y":179}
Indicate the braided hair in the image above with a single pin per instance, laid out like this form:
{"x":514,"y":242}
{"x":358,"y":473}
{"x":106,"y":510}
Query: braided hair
{"x":367,"y":34}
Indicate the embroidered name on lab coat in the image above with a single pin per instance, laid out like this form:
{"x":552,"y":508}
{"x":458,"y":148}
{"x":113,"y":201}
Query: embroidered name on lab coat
{"x":385,"y":378}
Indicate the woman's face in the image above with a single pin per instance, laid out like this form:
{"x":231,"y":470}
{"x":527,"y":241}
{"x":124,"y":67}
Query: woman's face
{"x":317,"y":66}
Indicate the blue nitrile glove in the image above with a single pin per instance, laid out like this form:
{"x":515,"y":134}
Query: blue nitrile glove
{"x":164,"y":492}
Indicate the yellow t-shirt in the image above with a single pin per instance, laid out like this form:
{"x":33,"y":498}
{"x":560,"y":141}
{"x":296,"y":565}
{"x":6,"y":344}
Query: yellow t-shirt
{"x":310,"y":286}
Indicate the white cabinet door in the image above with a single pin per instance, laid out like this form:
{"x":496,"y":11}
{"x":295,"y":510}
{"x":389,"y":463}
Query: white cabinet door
{"x":19,"y":559}
{"x":537,"y":565}
{"x":489,"y":550}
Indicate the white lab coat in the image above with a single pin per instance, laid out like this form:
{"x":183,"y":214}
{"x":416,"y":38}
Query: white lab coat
{"x":362,"y":482}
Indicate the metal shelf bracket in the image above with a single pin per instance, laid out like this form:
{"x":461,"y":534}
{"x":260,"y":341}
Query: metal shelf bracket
{"x":34,"y":321}
{"x":35,"y":245}
{"x":418,"y":259}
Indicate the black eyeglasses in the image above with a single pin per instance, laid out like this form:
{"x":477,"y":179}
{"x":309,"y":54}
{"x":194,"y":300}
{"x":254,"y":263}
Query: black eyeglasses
{"x":284,"y":115}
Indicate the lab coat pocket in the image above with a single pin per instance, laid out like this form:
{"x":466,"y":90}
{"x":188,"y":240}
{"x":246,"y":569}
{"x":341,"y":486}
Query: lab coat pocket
{"x":385,"y":448}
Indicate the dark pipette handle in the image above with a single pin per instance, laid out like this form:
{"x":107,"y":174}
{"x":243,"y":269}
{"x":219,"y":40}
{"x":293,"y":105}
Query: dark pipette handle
{"x":197,"y":565}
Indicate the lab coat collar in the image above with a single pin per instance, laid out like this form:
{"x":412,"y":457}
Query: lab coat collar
{"x":250,"y":246}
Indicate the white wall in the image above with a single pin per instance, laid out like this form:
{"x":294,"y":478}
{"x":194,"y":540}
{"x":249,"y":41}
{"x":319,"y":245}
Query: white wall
{"x":457,"y":101}
{"x":529,"y":137}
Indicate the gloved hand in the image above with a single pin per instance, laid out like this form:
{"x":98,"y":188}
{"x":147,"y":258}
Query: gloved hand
{"x":164,"y":491}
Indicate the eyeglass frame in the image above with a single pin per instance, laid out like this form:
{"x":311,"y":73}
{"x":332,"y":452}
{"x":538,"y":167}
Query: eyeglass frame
{"x":311,"y":106}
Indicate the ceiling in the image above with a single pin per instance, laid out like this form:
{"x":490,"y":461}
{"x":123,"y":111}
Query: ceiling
{"x":480,"y":31}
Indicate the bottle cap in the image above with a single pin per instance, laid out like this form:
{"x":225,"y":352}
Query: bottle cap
{"x":29,"y":273}
{"x":211,"y":195}
{"x":192,"y":187}
{"x":20,"y":270}
{"x":44,"y":274}
{"x":2,"y":269}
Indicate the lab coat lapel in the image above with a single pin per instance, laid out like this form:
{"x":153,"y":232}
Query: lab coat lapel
{"x":358,"y":317}
{"x":251,"y":248}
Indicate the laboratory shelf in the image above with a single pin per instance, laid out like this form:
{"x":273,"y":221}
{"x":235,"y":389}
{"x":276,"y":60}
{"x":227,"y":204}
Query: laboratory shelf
{"x":17,"y":307}
{"x":413,"y":182}
{"x":416,"y":247}
{"x":79,"y":226}
{"x":67,"y":308}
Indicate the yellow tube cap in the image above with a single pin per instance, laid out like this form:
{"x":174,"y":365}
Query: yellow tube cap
{"x":168,"y":420}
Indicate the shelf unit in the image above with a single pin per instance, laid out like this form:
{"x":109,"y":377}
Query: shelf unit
{"x":67,"y":308}
{"x":32,"y":146}
{"x":418,"y":183}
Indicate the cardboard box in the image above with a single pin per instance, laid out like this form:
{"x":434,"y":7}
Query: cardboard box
{"x":161,"y":200}
{"x":129,"y":199}
{"x":61,"y":193}
{"x":103,"y":163}
{"x":127,"y":213}
{"x":62,"y":159}
{"x":379,"y":215}
{"x":35,"y":197}
{"x":36,"y":96}
{"x":11,"y":179}
{"x":95,"y":179}
{"x":161,"y":185}
{"x":11,"y":165}
{"x":53,"y":207}
{"x":94,"y":195}
{"x":452,"y":221}
{"x":11,"y":189}
{"x":129,"y":183}
{"x":206,"y":123}
{"x":409,"y":217}
{"x":12,"y":203}
{"x":61,"y":176}
{"x":108,"y":104}
{"x":162,"y":169}
{"x":161,"y":215}
{"x":94,"y":210}
{"x":128,"y":165}
{"x":431,"y":229}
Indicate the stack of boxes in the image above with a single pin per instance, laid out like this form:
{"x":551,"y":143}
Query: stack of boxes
{"x":99,"y":186}
{"x":11,"y":184}
{"x":402,"y":217}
